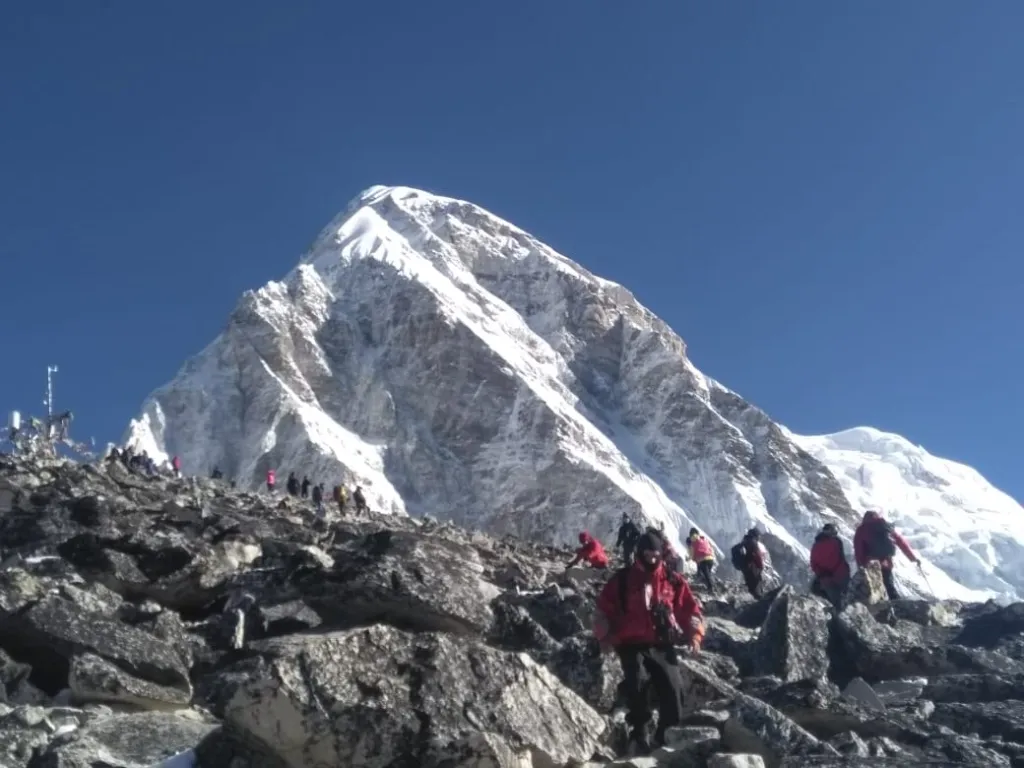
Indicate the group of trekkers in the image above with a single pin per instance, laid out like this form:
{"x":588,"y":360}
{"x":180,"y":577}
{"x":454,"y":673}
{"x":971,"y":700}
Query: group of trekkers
{"x":306,"y":489}
{"x":646,"y":609}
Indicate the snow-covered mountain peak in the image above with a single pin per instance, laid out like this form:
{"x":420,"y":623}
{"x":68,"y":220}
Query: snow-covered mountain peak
{"x":455,"y":365}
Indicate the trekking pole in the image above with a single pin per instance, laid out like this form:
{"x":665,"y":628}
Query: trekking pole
{"x":924,"y":576}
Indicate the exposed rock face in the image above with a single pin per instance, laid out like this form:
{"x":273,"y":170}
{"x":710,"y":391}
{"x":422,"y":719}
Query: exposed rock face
{"x":456,"y":366}
{"x":131,"y":632}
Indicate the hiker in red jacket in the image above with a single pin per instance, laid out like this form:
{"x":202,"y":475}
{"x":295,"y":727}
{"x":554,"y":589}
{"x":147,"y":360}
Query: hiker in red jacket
{"x":271,"y":480}
{"x":642,"y":612}
{"x":876,"y":540}
{"x":176,"y":466}
{"x":592,"y":553}
{"x":828,"y":562}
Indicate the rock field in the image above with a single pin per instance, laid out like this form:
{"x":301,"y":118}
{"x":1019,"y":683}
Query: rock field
{"x":143,"y":618}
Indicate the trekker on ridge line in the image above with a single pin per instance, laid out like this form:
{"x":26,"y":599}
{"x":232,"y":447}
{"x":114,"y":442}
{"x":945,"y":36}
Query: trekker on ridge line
{"x":592,"y":553}
{"x":702,"y":554}
{"x":748,"y":557}
{"x":292,"y":484}
{"x":629,"y":532}
{"x":271,"y":480}
{"x":876,"y":540}
{"x":830,"y":567}
{"x":642,"y":612}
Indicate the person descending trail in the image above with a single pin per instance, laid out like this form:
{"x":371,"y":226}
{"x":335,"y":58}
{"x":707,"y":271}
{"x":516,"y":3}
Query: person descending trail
{"x":642,"y":613}
{"x":629,"y":532}
{"x":831,"y":570}
{"x":703,"y":555}
{"x":749,"y":558}
{"x":592,"y":553}
{"x":359,"y":500}
{"x":875,"y":540}
{"x":672,"y":559}
{"x":271,"y":480}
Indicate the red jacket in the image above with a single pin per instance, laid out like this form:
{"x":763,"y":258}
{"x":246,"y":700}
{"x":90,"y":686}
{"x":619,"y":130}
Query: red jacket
{"x":643,"y":588}
{"x":828,"y":561}
{"x":862,"y":537}
{"x":176,"y":463}
{"x":593,"y":553}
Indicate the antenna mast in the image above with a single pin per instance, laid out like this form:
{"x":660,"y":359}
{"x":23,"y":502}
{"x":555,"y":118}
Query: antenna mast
{"x":50,"y":370}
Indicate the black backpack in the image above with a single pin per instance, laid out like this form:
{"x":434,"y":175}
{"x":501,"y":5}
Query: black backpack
{"x":739,"y":556}
{"x":880,"y":543}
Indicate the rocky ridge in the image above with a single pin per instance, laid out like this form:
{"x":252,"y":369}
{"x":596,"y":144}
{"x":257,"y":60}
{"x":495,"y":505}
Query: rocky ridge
{"x":142,"y":618}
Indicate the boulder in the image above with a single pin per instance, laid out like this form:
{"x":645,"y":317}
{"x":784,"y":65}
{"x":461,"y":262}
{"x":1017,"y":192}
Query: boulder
{"x":757,"y":728}
{"x":125,"y":741}
{"x":411,"y":581}
{"x":376,"y":696}
{"x":793,"y":641}
{"x":866,"y":585}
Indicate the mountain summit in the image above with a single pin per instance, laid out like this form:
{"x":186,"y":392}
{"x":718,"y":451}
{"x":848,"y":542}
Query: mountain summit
{"x":454,"y":365}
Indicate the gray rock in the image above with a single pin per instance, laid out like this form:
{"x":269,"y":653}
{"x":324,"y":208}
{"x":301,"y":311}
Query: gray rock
{"x":863,"y":694}
{"x":125,"y":741}
{"x":377,"y":695}
{"x":736,"y":761}
{"x":755,"y":727}
{"x":93,"y":679}
{"x":793,"y":640}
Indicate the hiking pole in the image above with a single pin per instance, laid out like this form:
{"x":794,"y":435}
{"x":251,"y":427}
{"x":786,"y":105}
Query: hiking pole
{"x":924,"y":576}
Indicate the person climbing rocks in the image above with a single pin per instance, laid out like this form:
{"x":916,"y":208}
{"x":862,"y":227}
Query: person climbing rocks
{"x":341,"y":497}
{"x":830,"y":567}
{"x":292,"y":484}
{"x":591,"y":552}
{"x":271,"y":480}
{"x":629,"y":532}
{"x":360,"y":500}
{"x":318,"y":499}
{"x":642,"y":613}
{"x":749,"y":558}
{"x":176,"y":466}
{"x":304,"y":488}
{"x":875,"y":540}
{"x":672,"y":559}
{"x":702,"y":553}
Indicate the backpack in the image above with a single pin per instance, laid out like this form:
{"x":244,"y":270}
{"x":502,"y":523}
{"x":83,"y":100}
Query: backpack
{"x":880,"y":543}
{"x":739,"y":556}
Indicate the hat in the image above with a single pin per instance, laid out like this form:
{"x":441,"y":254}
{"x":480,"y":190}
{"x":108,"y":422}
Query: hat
{"x":694,"y":532}
{"x":649,"y":541}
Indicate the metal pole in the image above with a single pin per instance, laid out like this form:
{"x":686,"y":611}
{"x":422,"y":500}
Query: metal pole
{"x":50,"y":370}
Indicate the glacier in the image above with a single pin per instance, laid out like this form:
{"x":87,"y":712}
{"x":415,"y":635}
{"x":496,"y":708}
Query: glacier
{"x":454,"y":365}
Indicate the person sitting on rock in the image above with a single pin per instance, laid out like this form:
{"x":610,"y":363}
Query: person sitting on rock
{"x":749,"y":558}
{"x":875,"y":540}
{"x":292,"y":484}
{"x":702,"y":554}
{"x":629,"y":532}
{"x":831,"y":570}
{"x":592,"y":553}
{"x":360,"y":500}
{"x":642,"y":613}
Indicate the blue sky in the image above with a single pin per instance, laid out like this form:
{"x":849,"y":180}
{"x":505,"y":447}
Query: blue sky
{"x":824,"y":199}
